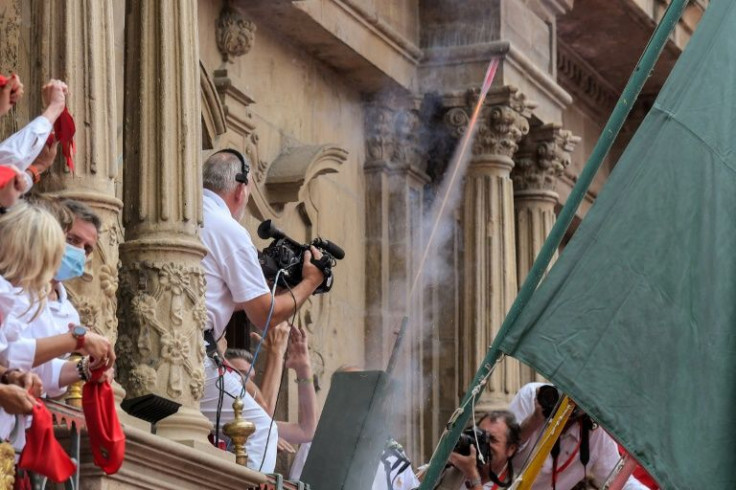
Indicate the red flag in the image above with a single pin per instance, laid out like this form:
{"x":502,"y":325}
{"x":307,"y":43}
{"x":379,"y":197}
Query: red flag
{"x":43,"y":454}
{"x":106,"y":437}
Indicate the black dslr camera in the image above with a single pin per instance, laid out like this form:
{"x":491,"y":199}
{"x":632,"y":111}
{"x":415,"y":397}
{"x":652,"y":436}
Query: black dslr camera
{"x":473,"y":436}
{"x":287,"y":254}
{"x":547,"y":397}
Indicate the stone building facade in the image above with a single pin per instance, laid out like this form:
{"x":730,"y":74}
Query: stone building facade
{"x":350,"y":111}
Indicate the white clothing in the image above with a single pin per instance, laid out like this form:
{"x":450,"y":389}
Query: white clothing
{"x":603,"y":450}
{"x":22,"y":147}
{"x":53,"y":320}
{"x":400,"y":480}
{"x":252,"y":412}
{"x":297,"y":466}
{"x":231,"y":265}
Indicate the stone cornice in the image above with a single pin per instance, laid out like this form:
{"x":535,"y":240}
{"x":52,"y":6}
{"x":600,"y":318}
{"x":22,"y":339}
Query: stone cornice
{"x":585,"y":84}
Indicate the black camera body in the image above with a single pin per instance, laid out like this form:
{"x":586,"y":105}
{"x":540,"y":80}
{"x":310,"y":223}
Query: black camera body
{"x":547,"y":397}
{"x":473,"y":436}
{"x":287,"y":255}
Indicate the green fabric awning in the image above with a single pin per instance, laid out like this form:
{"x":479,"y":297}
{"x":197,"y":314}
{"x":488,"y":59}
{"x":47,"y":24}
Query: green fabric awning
{"x":637,"y":319}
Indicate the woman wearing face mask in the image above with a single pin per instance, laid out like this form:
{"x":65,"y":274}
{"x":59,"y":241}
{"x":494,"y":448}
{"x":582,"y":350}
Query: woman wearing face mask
{"x":53,"y":335}
{"x":28,"y":269}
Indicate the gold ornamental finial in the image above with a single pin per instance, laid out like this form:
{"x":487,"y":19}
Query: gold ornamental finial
{"x":238,"y":431}
{"x":73,"y":395}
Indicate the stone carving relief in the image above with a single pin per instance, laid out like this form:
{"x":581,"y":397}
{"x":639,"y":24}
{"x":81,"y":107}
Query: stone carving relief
{"x":162,"y":307}
{"x":393,"y":136}
{"x":235,"y":35}
{"x":544,"y":155}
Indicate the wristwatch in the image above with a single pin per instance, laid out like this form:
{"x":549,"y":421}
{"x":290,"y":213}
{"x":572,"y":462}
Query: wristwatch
{"x":79,"y":332}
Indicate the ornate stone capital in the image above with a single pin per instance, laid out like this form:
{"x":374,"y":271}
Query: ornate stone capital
{"x":543,"y":156}
{"x":502,"y":122}
{"x":235,"y":35}
{"x":393,"y":137}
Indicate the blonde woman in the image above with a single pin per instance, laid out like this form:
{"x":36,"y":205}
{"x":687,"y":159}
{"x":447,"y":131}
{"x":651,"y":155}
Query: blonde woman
{"x":28,"y":347}
{"x":54,"y":323}
{"x":31,"y":246}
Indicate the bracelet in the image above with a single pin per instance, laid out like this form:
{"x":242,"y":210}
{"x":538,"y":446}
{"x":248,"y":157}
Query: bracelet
{"x":83,"y":369}
{"x":301,"y":381}
{"x":35,"y":174}
{"x":5,"y":378}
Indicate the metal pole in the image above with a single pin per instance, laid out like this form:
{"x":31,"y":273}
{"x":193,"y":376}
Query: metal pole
{"x":605,"y":141}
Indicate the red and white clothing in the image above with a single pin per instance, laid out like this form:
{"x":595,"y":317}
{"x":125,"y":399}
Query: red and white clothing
{"x":603,"y":451}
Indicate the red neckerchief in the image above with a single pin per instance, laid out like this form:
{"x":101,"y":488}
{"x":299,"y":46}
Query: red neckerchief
{"x":7,"y":175}
{"x":64,"y":129}
{"x":501,"y":476}
{"x":42,"y":453}
{"x":106,"y":437}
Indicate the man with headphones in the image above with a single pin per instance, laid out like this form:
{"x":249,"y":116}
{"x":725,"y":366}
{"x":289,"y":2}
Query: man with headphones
{"x":235,"y":282}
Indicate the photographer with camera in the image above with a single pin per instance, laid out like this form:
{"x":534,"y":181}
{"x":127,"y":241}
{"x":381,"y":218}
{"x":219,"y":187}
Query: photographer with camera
{"x":235,"y":281}
{"x":481,"y":459}
{"x":583,"y":450}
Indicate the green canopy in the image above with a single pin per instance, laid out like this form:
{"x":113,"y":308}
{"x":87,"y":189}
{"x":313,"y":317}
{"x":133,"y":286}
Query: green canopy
{"x":637,"y":319}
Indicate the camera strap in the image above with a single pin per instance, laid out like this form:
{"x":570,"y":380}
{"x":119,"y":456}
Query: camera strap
{"x":402,"y":462}
{"x":508,"y":472}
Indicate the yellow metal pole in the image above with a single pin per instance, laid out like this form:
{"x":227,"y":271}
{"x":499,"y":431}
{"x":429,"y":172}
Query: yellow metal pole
{"x":550,"y":435}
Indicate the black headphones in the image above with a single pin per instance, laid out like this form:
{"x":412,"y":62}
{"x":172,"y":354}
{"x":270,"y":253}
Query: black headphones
{"x":242,"y":176}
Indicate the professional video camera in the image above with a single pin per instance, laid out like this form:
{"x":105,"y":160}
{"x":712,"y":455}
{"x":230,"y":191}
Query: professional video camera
{"x":288,"y":254}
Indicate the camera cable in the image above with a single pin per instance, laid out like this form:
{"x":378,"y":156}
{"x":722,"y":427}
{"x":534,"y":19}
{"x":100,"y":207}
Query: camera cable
{"x":220,"y":383}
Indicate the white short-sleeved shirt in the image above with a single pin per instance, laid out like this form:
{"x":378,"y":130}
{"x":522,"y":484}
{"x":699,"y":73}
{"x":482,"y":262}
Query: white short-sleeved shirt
{"x":231,"y":265}
{"x":603,"y":450}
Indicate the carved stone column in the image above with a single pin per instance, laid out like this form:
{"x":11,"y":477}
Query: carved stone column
{"x":395,"y":178}
{"x":161,"y":309}
{"x":83,"y":60}
{"x":542,"y":157}
{"x":487,"y":216}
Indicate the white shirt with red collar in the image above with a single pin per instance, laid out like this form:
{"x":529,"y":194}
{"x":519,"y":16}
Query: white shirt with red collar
{"x":603,"y":451}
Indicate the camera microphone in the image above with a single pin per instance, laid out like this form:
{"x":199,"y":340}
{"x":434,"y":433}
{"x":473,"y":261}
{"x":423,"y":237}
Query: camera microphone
{"x":329,"y":247}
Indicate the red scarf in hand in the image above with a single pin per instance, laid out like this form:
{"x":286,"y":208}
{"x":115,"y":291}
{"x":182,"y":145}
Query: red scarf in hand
{"x":64,"y":129}
{"x":43,"y":454}
{"x":106,"y":437}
